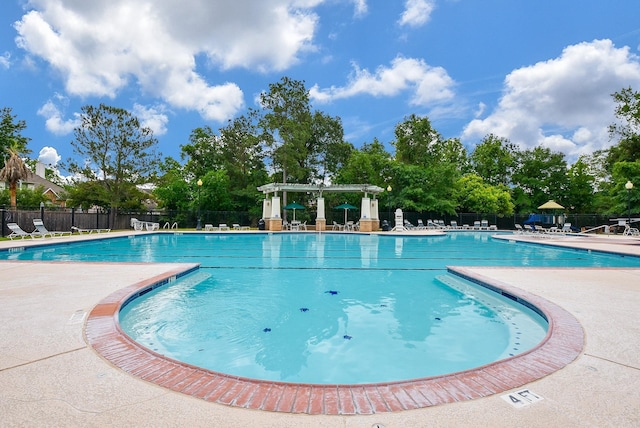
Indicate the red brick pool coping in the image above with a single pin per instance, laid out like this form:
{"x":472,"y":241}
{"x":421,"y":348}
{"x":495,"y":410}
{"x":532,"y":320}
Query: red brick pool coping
{"x":563,"y":343}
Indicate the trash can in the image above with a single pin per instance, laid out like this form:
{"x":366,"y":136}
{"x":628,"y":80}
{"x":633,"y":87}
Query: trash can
{"x":385,"y":226}
{"x":261,"y":224}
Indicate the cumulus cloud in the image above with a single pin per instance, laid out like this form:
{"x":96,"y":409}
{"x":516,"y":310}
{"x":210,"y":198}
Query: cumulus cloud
{"x":564,"y":103}
{"x":54,"y":118}
{"x":102,"y":46}
{"x":416,"y":12}
{"x":49,"y":156}
{"x":427,"y":84}
{"x":154,"y":118}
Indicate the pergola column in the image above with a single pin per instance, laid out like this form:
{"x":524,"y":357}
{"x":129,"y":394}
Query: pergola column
{"x":275,"y":221}
{"x":366,"y":222}
{"x":321,"y":221}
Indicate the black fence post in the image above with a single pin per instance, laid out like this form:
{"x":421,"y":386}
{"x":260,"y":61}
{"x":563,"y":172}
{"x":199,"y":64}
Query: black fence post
{"x":73,"y":217}
{"x":2,"y":211}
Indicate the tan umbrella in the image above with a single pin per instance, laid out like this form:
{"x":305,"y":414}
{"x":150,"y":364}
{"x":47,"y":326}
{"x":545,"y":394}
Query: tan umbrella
{"x":551,"y":205}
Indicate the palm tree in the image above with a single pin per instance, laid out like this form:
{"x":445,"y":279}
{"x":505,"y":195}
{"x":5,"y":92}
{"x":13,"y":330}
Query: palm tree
{"x":14,"y":171}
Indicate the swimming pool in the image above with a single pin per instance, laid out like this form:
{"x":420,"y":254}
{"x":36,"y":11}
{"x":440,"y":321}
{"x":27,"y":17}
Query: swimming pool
{"x":282,"y":265}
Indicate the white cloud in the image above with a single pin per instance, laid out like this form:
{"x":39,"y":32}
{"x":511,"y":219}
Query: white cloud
{"x":5,"y":60}
{"x":54,"y":118}
{"x":49,"y":156}
{"x":102,"y":46}
{"x":154,"y":118}
{"x":564,"y":103}
{"x":428,"y":84}
{"x":361,"y":7}
{"x":416,"y":12}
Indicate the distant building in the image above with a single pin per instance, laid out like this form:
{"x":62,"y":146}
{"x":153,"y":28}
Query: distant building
{"x":52,"y":191}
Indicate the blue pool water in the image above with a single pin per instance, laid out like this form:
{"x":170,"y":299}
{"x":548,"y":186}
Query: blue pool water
{"x":328,"y":308}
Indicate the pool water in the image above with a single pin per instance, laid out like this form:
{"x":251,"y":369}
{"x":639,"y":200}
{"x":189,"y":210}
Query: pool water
{"x":328,"y":308}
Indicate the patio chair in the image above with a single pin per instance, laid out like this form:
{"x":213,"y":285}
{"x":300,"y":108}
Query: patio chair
{"x":17,"y":231}
{"x":137,"y":224}
{"x":40,"y":227}
{"x":337,"y":226}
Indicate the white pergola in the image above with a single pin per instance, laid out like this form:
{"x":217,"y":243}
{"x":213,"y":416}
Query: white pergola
{"x":368,"y":209}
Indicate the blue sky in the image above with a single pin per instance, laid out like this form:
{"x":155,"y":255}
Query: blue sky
{"x":538,"y":73}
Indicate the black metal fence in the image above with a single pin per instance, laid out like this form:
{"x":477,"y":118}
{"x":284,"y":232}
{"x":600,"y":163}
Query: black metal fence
{"x":65,"y":219}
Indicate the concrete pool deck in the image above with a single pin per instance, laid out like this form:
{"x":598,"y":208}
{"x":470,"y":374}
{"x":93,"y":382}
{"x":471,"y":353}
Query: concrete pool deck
{"x":51,"y":377}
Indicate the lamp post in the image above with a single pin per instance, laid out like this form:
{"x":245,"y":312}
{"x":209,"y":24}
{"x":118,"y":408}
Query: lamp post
{"x":199,"y":225}
{"x":389,"y":201}
{"x":629,"y":186}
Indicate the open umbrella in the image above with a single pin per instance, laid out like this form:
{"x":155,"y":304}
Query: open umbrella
{"x":294,"y":206}
{"x":345,"y":207}
{"x":551,"y":205}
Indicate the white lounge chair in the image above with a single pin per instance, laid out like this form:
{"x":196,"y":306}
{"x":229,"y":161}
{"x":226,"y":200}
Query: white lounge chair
{"x":89,"y":231}
{"x":223,"y":226}
{"x":17,"y":231}
{"x":40,"y":227}
{"x":209,"y":227}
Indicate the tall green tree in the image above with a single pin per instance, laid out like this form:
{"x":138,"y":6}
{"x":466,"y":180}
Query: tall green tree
{"x":540,"y":175}
{"x":330,"y":151}
{"x":579,"y":193}
{"x":627,"y":130}
{"x":203,"y":153}
{"x":11,"y":137}
{"x":417,"y":142}
{"x":243,"y":161}
{"x":287,"y":125}
{"x":494,"y":159}
{"x":115,"y":153}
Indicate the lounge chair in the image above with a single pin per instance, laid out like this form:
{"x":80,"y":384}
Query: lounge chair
{"x":566,"y":228}
{"x":223,"y":226}
{"x":408,"y":225}
{"x":40,"y":227}
{"x":17,"y":231}
{"x":476,"y":225}
{"x":519,"y":229}
{"x":421,"y":225}
{"x":454,"y":224}
{"x":209,"y":227}
{"x":137,"y":224}
{"x":484,"y":225}
{"x":89,"y":231}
